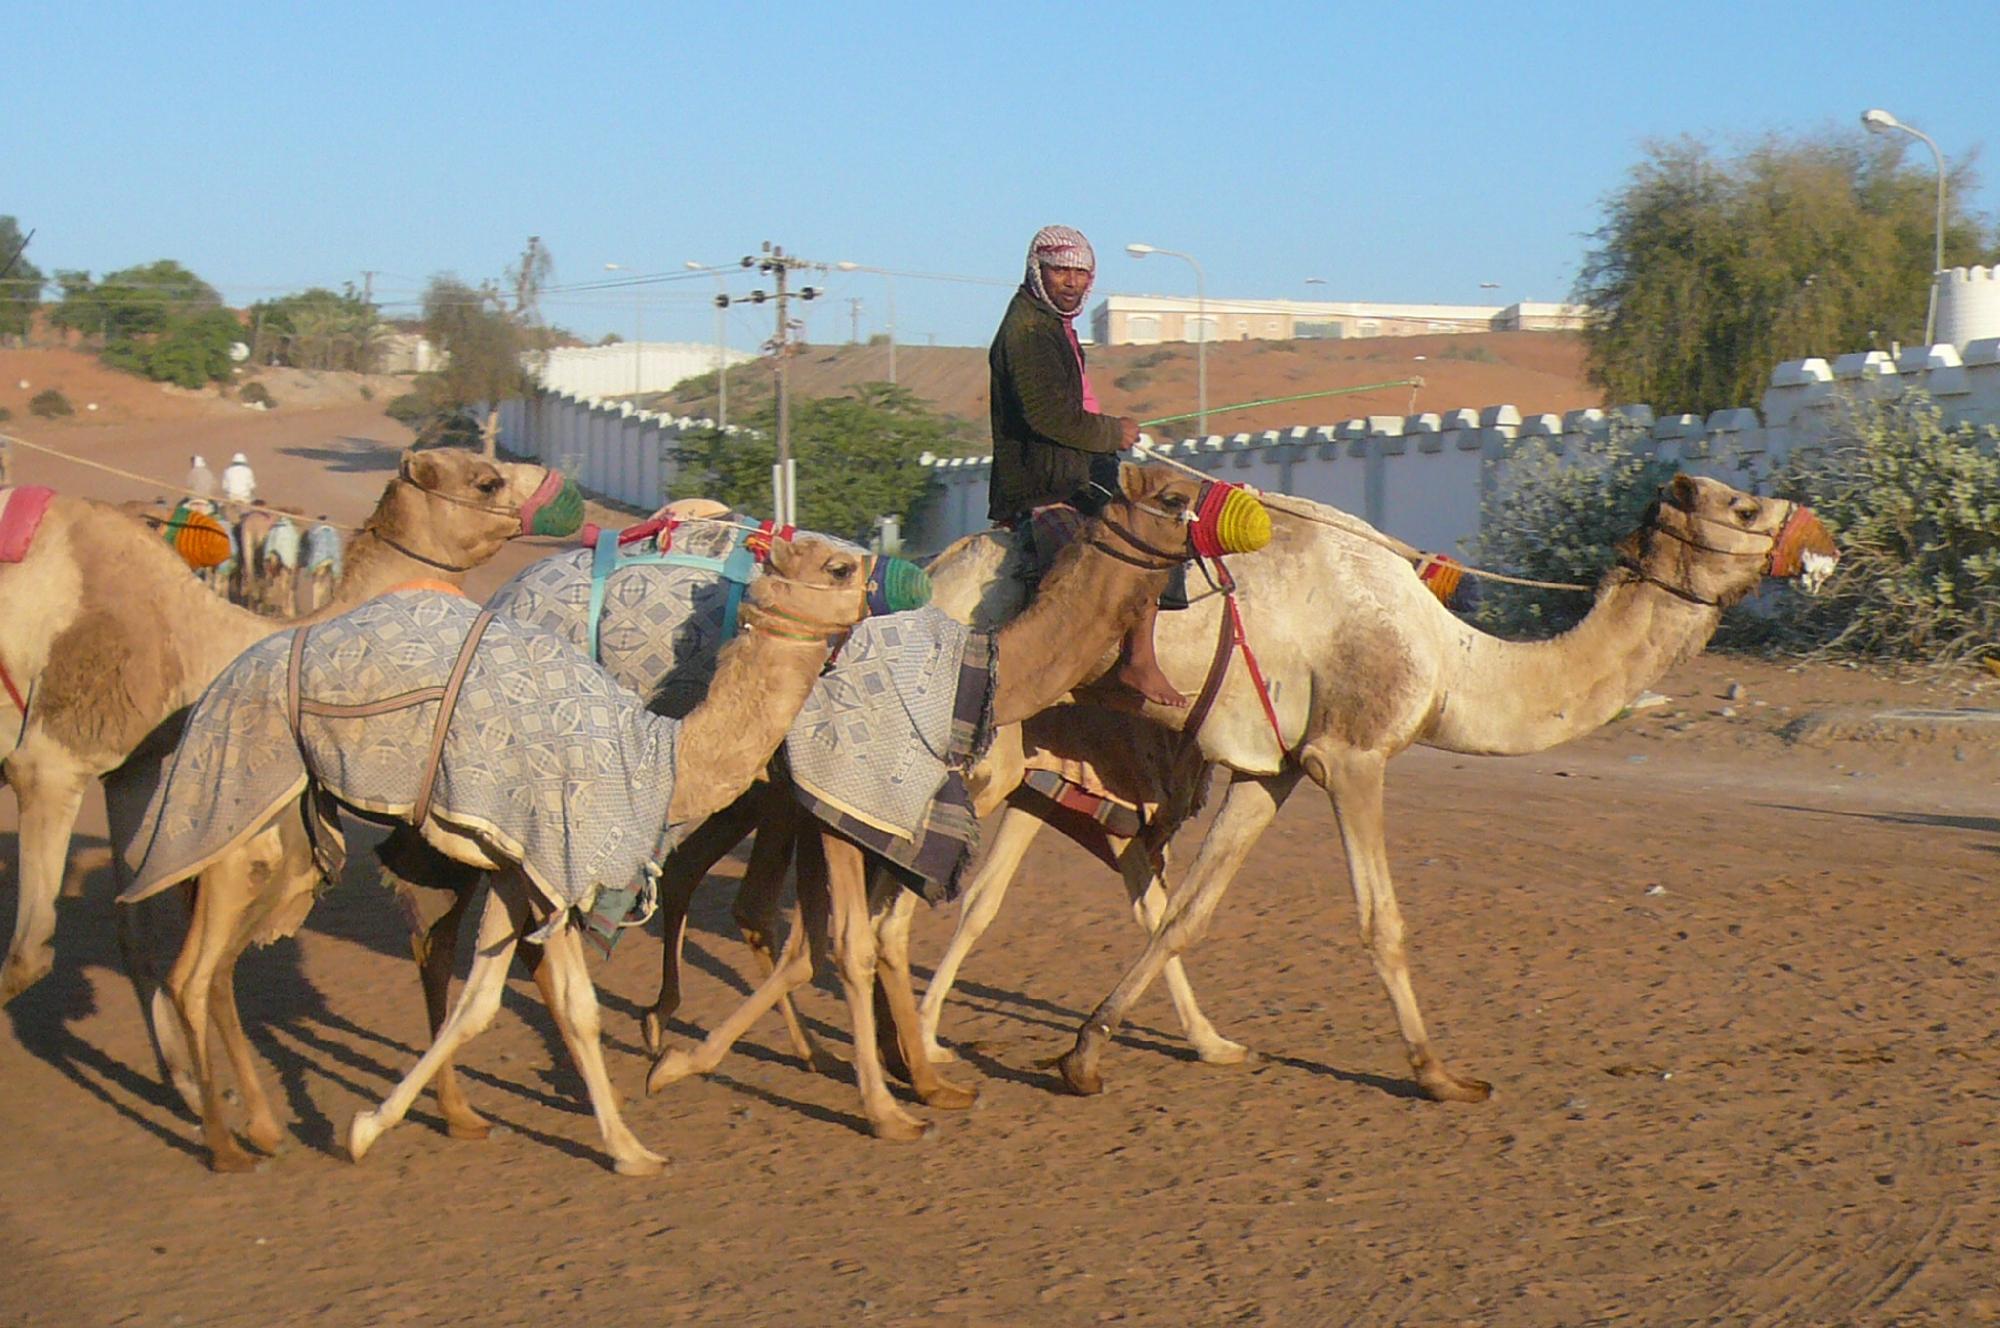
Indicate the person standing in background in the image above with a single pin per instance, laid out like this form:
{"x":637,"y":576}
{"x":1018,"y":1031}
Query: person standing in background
{"x":200,"y":479}
{"x":239,"y":482}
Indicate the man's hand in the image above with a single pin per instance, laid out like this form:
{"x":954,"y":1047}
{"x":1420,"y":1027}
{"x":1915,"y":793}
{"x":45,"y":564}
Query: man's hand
{"x":1128,"y":431}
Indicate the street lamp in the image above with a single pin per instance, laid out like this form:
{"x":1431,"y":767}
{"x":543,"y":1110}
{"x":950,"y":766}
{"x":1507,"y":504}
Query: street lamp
{"x":1201,"y":323}
{"x":1879,"y":121}
{"x":721,"y":346}
{"x":889,"y":281}
{"x":638,"y":323}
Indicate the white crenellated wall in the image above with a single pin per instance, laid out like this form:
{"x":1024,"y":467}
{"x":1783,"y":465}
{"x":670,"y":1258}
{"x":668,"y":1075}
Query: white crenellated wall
{"x":1968,"y":305}
{"x":1418,"y":477}
{"x":626,"y":367}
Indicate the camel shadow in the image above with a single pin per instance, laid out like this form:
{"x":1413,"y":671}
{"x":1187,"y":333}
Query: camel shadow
{"x":1983,"y":825}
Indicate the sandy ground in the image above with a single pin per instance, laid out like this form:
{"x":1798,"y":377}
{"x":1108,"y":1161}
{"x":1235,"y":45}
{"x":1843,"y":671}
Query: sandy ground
{"x":1735,"y":991}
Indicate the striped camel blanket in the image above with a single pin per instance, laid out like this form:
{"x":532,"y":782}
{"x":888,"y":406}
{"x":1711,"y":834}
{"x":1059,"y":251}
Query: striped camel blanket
{"x":420,"y":707}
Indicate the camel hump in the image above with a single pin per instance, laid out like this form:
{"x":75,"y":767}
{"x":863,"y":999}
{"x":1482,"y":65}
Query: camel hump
{"x":21,"y":511}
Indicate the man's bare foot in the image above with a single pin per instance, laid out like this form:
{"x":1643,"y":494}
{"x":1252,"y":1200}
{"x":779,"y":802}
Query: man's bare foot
{"x":1149,"y":682}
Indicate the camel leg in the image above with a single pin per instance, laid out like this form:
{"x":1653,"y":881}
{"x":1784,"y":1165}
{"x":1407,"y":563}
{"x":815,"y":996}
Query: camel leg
{"x":572,"y":999}
{"x":794,"y":969}
{"x":983,"y":895}
{"x":261,"y":1122}
{"x":48,"y":787}
{"x":854,"y":956}
{"x":225,"y":895}
{"x":1354,"y":783}
{"x":434,"y":949}
{"x":501,"y":924}
{"x":756,"y":912}
{"x":1247,"y":808}
{"x":1149,"y":905}
{"x":683,"y":871}
{"x":894,"y":908}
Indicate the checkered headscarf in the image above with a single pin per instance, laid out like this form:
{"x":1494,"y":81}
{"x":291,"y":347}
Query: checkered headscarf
{"x":1058,"y":246}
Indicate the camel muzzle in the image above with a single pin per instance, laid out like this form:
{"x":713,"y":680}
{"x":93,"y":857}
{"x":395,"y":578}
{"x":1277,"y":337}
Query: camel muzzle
{"x":555,"y":507}
{"x":1803,"y":548}
{"x":1228,"y":519}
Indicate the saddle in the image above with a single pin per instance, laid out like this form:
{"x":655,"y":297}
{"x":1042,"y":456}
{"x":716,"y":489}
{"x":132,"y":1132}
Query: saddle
{"x":21,"y":511}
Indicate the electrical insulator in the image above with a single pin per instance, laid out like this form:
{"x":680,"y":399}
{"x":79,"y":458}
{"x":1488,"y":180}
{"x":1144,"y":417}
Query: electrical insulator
{"x":757,"y":296}
{"x":722,"y":301}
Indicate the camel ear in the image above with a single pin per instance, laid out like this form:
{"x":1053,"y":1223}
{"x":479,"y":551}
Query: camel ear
{"x":785,"y":557}
{"x":1682,"y":493}
{"x":1141,"y":482}
{"x":421,"y":469}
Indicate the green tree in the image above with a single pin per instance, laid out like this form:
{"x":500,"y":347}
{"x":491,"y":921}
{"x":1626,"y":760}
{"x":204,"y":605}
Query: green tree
{"x":20,"y":286}
{"x":857,"y":459}
{"x":1708,"y":272}
{"x":318,"y":329}
{"x":132,"y":302}
{"x":190,"y":350}
{"x":482,"y":341}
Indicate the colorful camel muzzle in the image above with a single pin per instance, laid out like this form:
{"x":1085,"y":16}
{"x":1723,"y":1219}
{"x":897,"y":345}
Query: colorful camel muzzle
{"x":555,"y":507}
{"x":1803,"y":548}
{"x":1227,"y":518}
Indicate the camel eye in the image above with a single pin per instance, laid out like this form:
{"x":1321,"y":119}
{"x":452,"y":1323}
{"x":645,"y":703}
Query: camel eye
{"x":491,"y":484}
{"x":840,"y":569}
{"x":1746,"y":513}
{"x":1174,"y":501}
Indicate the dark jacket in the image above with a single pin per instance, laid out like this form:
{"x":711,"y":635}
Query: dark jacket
{"x":1046,"y":446}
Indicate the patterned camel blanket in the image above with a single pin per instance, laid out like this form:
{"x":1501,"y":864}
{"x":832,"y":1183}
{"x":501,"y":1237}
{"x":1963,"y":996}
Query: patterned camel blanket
{"x":660,"y":623}
{"x":879,"y":750}
{"x":544,"y":757}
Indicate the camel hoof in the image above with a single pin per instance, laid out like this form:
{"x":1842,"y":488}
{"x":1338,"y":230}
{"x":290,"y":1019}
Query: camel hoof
{"x":946,"y":1096}
{"x":1443,"y":1086}
{"x":362,"y":1132}
{"x":654,"y":1030}
{"x":642,"y":1163}
{"x":21,"y":974}
{"x":230,"y":1159}
{"x":472,"y":1130}
{"x":1225,"y":1052}
{"x":900,"y":1129}
{"x":1079,"y":1073}
{"x":670,"y":1069}
{"x":939,"y":1054}
{"x":264,"y":1136}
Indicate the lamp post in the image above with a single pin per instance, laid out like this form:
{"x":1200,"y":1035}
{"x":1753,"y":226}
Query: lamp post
{"x":1201,"y":322}
{"x":721,"y":344}
{"x":638,"y":326}
{"x":888,"y":282}
{"x":1879,"y":121}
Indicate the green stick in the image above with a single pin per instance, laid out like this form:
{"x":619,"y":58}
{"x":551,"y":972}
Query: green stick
{"x":1279,"y":401}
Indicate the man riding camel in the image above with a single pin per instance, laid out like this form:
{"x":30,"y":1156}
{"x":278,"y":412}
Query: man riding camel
{"x":1055,"y":455}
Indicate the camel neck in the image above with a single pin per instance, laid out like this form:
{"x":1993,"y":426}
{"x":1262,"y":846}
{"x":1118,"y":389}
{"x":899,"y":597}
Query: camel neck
{"x":1069,"y":631}
{"x":761,"y":680}
{"x":1508,"y":698}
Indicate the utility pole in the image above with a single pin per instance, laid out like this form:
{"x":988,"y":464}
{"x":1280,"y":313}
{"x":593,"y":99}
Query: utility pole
{"x":853,"y":320}
{"x":368,"y":287}
{"x":775,"y":263}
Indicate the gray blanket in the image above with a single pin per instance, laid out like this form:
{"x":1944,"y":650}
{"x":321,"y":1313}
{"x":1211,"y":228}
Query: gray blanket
{"x":661,"y":624}
{"x":545,"y":757}
{"x":874,"y":738}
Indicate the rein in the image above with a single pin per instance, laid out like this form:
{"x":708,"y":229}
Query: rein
{"x":756,"y":618}
{"x":1171,"y":559}
{"x":408,"y":552}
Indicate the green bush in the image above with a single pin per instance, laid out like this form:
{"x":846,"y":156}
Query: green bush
{"x":49,"y":404}
{"x":256,"y":394}
{"x":1914,"y":505}
{"x":409,"y":408}
{"x":190,"y":351}
{"x":5,"y":414}
{"x":1131,"y":380}
{"x":1556,"y":516}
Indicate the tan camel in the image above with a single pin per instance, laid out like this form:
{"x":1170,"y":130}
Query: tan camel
{"x":107,"y":636}
{"x":1364,"y":662}
{"x":261,"y":888}
{"x":1066,"y":636}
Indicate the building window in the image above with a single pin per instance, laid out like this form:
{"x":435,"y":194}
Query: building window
{"x":1200,"y":327}
{"x":1368,"y":328}
{"x":1142,"y":329}
{"x":1331,"y":331}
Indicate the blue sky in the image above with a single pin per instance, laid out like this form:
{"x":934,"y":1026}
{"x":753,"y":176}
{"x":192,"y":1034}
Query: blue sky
{"x":1402,"y":152}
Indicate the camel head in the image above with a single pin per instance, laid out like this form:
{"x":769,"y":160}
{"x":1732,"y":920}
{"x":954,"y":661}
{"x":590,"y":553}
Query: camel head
{"x":1167,"y":514}
{"x":1711,"y":544}
{"x":811,"y":589}
{"x":470,"y":505}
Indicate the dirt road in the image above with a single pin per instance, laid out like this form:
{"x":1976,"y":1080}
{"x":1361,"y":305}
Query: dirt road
{"x":1736,"y":997}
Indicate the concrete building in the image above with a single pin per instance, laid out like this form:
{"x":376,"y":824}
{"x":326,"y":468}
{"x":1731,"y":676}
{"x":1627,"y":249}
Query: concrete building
{"x":1146,"y":320}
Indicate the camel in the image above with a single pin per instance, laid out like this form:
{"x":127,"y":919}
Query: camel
{"x":107,"y":636}
{"x":1364,"y":663}
{"x":1066,"y":636}
{"x":259,"y":885}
